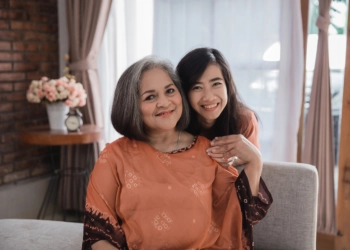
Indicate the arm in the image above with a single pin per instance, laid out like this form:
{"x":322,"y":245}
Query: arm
{"x":102,"y":227}
{"x":225,"y":147}
{"x":254,"y":208}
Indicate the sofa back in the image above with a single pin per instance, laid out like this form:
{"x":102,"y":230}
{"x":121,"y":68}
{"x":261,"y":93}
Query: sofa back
{"x":292,"y":219}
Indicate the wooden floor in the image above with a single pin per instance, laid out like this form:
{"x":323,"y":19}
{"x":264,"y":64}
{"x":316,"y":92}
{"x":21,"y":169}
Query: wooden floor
{"x":325,"y":242}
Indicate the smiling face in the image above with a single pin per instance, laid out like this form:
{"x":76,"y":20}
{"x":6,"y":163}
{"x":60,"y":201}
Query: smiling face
{"x":208,"y":96}
{"x":160,"y":101}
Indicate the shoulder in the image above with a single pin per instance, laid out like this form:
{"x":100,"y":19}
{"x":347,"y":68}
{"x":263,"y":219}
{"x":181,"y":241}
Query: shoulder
{"x":250,"y":126}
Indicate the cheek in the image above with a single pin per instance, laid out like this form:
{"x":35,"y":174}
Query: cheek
{"x":192,"y":99}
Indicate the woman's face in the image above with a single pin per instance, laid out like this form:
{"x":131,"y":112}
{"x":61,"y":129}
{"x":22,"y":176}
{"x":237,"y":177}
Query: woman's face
{"x":208,"y":96}
{"x":160,"y":101}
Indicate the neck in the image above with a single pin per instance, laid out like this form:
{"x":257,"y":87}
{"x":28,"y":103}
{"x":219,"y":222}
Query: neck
{"x":164,"y":141}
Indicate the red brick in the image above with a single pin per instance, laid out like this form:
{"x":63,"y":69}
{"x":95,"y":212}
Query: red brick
{"x":4,"y":4}
{"x":6,"y":148}
{"x":13,"y":15}
{"x":28,"y":163}
{"x":19,"y":46}
{"x":6,"y":107}
{"x":35,"y":36}
{"x":9,"y":137}
{"x":37,"y":57}
{"x":40,"y":170}
{"x":4,"y":24}
{"x":5,"y":127}
{"x":52,"y":9}
{"x":11,"y":35}
{"x":16,"y":176}
{"x":5,"y":169}
{"x":19,"y":25}
{"x":39,"y":17}
{"x":25,"y":66}
{"x":5,"y":56}
{"x":18,"y":106}
{"x":5,"y":46}
{"x":12,"y":97}
{"x":5,"y":66}
{"x":47,"y":28}
{"x":6,"y":87}
{"x":34,"y":75}
{"x":21,"y":86}
{"x":6,"y":117}
{"x":28,"y":6}
{"x":22,"y":115}
{"x":49,"y":47}
{"x":49,"y":66}
{"x":12,"y":76}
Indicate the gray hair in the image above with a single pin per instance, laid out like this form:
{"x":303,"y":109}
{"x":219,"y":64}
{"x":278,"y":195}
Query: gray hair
{"x":126,"y":115}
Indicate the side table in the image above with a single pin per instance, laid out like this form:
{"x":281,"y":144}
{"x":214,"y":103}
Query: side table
{"x":42,"y":135}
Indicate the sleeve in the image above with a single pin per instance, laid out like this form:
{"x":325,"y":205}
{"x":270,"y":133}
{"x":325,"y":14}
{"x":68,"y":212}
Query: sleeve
{"x":254,"y":208}
{"x":101,"y":221}
{"x":251,"y":132}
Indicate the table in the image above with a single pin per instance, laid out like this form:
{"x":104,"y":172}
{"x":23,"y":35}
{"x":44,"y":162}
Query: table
{"x":42,"y":135}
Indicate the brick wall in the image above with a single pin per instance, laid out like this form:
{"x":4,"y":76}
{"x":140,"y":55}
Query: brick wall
{"x":28,"y":50}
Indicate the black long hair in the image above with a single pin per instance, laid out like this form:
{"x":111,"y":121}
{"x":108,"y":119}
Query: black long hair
{"x":233,"y":119}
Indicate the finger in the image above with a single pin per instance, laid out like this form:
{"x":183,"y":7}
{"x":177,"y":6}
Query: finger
{"x":222,"y":140}
{"x":222,"y":148}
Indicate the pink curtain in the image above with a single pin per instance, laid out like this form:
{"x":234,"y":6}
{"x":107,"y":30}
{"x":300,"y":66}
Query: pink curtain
{"x":86,"y":22}
{"x":319,"y":145}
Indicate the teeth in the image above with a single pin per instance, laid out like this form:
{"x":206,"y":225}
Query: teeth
{"x":210,"y":106}
{"x":164,"y":113}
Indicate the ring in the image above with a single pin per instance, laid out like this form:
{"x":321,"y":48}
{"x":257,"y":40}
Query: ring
{"x":234,"y":159}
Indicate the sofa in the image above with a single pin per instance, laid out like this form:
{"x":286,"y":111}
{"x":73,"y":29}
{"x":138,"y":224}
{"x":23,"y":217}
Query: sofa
{"x":289,"y":224}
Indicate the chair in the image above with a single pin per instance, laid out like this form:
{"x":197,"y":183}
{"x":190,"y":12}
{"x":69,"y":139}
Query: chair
{"x":291,"y":221}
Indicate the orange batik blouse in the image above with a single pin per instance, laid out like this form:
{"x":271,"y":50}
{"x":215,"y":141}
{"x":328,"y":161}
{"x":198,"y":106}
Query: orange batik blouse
{"x":141,"y":198}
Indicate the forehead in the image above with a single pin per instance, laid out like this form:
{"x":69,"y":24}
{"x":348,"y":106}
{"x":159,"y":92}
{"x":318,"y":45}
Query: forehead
{"x":154,"y":78}
{"x":213,"y":70}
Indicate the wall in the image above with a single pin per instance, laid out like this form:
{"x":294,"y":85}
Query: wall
{"x":28,"y":50}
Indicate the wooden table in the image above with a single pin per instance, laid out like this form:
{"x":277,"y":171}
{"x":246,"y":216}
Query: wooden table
{"x":42,"y":135}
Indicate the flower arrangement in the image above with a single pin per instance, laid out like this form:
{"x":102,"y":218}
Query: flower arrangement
{"x":64,"y":89}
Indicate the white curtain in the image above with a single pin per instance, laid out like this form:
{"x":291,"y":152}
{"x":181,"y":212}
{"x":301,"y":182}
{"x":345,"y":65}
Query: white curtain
{"x":262,"y":41}
{"x":128,"y":38}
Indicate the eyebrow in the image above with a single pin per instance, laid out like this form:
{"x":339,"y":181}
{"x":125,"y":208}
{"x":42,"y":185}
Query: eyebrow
{"x":213,"y":80}
{"x":152,"y":90}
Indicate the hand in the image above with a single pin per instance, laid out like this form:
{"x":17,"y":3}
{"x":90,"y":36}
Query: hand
{"x":234,"y":150}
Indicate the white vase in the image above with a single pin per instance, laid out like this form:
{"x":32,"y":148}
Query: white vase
{"x":57,"y":113}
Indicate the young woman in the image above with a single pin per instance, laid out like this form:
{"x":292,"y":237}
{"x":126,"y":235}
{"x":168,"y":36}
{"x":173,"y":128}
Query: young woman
{"x":156,"y":188}
{"x":216,"y":110}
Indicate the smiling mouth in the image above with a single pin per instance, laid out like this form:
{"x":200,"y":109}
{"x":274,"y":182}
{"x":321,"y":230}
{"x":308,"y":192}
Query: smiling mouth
{"x":165,"y":113}
{"x":210,"y":106}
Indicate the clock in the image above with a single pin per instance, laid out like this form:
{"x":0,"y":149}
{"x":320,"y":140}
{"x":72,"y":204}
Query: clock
{"x":74,"y":120}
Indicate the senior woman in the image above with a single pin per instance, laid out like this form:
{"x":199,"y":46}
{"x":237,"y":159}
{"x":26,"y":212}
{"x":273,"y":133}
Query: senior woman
{"x":155,"y":188}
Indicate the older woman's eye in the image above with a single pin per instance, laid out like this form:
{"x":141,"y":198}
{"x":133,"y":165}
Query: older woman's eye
{"x":150,"y":97}
{"x":170,"y":91}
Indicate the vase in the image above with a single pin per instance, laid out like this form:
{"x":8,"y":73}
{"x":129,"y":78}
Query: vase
{"x":57,"y":113}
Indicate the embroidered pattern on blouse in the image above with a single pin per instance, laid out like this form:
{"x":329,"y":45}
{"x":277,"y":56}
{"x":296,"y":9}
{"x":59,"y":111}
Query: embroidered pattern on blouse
{"x":213,"y":228}
{"x":198,"y":189}
{"x":162,"y":221}
{"x":103,"y":156}
{"x":163,"y":157}
{"x":100,"y":226}
{"x":131,"y":180}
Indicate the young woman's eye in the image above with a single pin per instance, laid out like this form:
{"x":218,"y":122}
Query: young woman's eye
{"x":150,"y":97}
{"x":217,"y":84}
{"x":196,"y":87}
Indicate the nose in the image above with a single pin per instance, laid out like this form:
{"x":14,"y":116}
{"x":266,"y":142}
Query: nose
{"x":207,"y":95}
{"x":163,"y":101}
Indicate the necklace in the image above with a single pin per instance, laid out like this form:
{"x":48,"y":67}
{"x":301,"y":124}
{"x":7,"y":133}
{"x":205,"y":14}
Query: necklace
{"x":178,"y":141}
